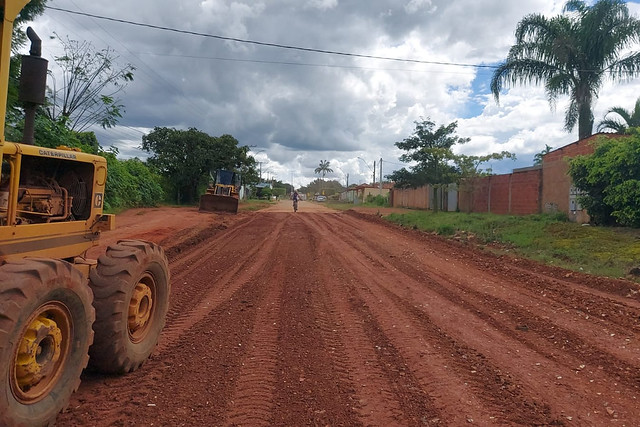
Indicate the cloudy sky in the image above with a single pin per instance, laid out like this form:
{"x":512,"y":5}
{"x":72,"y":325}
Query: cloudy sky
{"x":295,"y":107}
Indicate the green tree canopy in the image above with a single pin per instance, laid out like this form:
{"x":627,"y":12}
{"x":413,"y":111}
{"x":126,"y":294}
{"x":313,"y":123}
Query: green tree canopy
{"x":430,"y":148}
{"x":572,"y":54}
{"x":610,"y":177}
{"x":329,"y":188}
{"x":625,"y":119}
{"x":186,"y":157}
{"x":437,"y":164}
{"x":130,"y":183}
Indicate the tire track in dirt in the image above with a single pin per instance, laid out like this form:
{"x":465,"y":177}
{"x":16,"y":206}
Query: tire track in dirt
{"x":481,"y":385}
{"x":203,"y":343}
{"x":461,"y":295}
{"x":202,"y":294}
{"x":426,"y":371}
{"x":514,"y":320}
{"x":327,"y":319}
{"x":622,"y":314}
{"x":349,"y":344}
{"x":191,"y":251}
{"x":252,"y":400}
{"x":312,"y":388}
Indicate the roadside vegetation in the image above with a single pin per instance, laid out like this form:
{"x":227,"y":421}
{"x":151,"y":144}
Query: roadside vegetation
{"x":254,"y":205}
{"x":551,"y":239}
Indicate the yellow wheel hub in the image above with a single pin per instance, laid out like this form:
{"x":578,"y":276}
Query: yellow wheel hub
{"x":41,"y":352}
{"x":140,"y":309}
{"x":38,"y":353}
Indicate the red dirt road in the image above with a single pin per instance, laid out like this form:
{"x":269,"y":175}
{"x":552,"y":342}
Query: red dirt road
{"x":328,"y":318}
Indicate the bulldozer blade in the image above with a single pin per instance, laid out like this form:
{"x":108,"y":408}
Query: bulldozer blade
{"x":214,"y":203}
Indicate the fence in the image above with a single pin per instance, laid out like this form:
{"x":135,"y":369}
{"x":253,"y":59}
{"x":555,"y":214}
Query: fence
{"x":519,"y":193}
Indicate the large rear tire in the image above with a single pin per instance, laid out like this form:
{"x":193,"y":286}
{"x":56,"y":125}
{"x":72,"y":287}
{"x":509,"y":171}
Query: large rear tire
{"x":45,"y":333}
{"x":131,"y":288}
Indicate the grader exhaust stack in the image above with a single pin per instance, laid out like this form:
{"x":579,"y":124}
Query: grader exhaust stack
{"x":223,"y":194}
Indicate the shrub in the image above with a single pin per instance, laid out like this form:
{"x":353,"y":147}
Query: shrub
{"x":377,"y":200}
{"x":610,"y":177}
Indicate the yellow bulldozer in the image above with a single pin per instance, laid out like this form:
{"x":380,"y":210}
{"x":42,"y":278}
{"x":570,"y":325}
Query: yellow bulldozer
{"x":222,"y":194}
{"x":59,"y":310}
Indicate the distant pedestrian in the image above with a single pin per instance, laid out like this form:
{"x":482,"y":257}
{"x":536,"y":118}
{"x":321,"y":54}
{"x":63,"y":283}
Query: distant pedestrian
{"x":295,"y":197}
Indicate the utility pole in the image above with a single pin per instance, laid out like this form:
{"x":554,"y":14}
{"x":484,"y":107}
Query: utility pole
{"x":374,"y":172}
{"x":380,"y":175}
{"x":347,"y":180}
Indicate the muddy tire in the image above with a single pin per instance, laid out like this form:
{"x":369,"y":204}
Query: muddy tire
{"x":45,"y":333}
{"x":131,"y":297}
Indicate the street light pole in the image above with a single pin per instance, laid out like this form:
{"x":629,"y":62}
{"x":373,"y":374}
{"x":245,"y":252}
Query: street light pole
{"x":372,"y":170}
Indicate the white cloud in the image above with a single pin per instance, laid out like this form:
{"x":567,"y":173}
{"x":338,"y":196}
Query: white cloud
{"x":414,"y":6}
{"x":322,"y":4}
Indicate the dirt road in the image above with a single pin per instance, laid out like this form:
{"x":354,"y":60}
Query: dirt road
{"x":331,"y":318}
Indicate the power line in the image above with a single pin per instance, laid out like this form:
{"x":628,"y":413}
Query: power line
{"x":151,"y":69}
{"x":301,"y":64}
{"x":276,"y":45}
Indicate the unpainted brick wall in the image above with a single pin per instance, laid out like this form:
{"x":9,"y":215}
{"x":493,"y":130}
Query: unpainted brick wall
{"x":515,"y":193}
{"x":556,"y":182}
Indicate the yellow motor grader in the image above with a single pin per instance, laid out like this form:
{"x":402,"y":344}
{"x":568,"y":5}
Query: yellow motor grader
{"x":59,"y":310}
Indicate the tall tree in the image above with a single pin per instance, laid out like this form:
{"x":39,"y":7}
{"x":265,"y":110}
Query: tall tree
{"x":186,"y":157}
{"x":628,"y":118}
{"x":91,"y":82}
{"x":437,"y":164}
{"x":572,"y":54}
{"x":323,"y":168}
{"x":430,"y":148}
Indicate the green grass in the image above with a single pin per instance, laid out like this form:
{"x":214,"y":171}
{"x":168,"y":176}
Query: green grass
{"x":254,"y":204}
{"x":548,"y":238}
{"x":338,"y":205}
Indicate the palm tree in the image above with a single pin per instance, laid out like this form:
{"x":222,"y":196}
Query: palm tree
{"x":323,"y":168}
{"x":630,"y":119}
{"x":572,"y":54}
{"x":537,"y":159}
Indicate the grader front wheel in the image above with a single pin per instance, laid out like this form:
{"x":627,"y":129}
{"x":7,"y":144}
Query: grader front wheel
{"x":131,"y":287}
{"x":45,"y":333}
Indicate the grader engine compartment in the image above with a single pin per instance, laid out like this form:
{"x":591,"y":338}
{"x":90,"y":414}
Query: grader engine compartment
{"x":50,"y":202}
{"x":49,"y":189}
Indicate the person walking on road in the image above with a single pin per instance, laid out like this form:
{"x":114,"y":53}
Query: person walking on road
{"x":295,"y":198}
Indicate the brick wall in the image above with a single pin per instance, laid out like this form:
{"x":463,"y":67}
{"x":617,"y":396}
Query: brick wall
{"x":556,"y":182}
{"x":515,"y":193}
{"x":526,"y":191}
